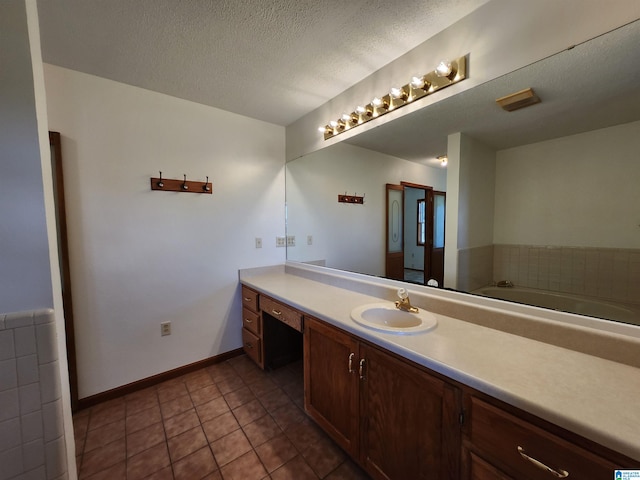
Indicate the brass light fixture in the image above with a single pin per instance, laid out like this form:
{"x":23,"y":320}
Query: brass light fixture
{"x":446,"y":73}
{"x":443,"y":159}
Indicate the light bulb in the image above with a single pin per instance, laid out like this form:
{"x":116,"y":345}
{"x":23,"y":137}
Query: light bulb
{"x":376,"y":101}
{"x":333,"y":123}
{"x":360,"y":109}
{"x":444,"y":69}
{"x":346,"y":117}
{"x":417,"y":82}
{"x":322,"y":129}
{"x":397,"y":93}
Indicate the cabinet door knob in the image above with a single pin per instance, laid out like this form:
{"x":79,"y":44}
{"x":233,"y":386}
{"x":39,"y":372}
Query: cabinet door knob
{"x":361,"y":369}
{"x":351,"y":355}
{"x":556,"y":473}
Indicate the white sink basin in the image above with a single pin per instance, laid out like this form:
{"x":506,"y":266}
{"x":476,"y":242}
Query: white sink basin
{"x":387,"y":318}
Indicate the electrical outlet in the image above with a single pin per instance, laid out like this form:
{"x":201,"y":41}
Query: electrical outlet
{"x":291,"y":241}
{"x":309,"y":239}
{"x":258,"y":242}
{"x":281,"y":242}
{"x":165,"y":329}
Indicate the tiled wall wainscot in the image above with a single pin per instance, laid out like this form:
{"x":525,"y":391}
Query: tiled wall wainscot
{"x":32,"y":441}
{"x":475,"y":268}
{"x":607,"y":273}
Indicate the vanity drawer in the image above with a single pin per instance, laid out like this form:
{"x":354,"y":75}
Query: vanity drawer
{"x":252,"y":321}
{"x":252,"y":346}
{"x":523,"y":449}
{"x":250,"y":299}
{"x":283,"y":313}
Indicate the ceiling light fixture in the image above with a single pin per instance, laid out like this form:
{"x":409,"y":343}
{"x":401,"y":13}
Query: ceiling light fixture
{"x":445,"y":74}
{"x":521,"y":99}
{"x":443,"y":160}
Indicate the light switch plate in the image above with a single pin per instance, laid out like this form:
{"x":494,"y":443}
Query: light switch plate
{"x":165,"y":329}
{"x":281,"y":241}
{"x":291,"y":241}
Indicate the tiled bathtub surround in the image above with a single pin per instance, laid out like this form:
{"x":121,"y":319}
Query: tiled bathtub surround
{"x":605,"y":273}
{"x":475,"y":268}
{"x":32,"y":442}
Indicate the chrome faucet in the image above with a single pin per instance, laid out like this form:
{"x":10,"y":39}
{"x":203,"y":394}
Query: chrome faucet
{"x":404,"y":303}
{"x":505,"y":283}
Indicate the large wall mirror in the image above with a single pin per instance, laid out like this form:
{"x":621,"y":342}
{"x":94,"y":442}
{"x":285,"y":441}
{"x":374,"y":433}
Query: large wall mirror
{"x":542,"y":204}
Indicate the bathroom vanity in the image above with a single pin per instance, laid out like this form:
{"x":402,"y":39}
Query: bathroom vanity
{"x":458,"y":401}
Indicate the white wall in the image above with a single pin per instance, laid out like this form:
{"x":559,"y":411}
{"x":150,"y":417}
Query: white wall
{"x":476,"y":193}
{"x":140,"y":257}
{"x":348,"y":237}
{"x":563,"y":191}
{"x":454,"y":147}
{"x":25,"y":276}
{"x":499,"y":37}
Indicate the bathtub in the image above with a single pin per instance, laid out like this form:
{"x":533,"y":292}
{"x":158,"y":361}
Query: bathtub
{"x":564,"y":302}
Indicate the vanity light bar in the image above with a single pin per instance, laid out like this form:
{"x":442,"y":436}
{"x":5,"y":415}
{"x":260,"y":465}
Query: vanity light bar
{"x":445,"y":74}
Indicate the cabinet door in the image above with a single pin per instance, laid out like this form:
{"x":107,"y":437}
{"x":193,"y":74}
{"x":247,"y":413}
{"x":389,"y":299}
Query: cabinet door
{"x":330,"y":386}
{"x":409,"y":421}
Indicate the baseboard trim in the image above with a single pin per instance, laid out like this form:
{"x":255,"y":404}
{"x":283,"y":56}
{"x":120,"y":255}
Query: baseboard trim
{"x":154,"y":380}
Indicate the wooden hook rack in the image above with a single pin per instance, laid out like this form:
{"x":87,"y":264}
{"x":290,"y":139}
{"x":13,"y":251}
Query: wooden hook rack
{"x":184,"y":185}
{"x":355,"y":199}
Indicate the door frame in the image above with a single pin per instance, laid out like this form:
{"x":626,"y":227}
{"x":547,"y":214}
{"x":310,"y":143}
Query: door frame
{"x":391,"y":259}
{"x":65,"y":272}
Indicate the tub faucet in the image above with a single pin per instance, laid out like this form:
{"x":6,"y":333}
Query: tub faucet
{"x":404,"y":303}
{"x":505,"y":283}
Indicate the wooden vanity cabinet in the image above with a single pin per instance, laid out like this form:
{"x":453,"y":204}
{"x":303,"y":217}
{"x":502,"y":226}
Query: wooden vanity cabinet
{"x":271,"y":331}
{"x":499,"y":444}
{"x":392,"y":416}
{"x":252,"y":341}
{"x":400,"y":421}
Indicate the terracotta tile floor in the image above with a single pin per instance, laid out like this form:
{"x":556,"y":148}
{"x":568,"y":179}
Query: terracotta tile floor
{"x":227,"y":421}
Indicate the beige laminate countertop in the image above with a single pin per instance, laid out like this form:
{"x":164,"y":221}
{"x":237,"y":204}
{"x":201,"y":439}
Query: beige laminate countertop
{"x":591,"y":396}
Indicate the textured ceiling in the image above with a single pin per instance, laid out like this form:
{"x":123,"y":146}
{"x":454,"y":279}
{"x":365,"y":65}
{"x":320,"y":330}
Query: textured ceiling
{"x":270,"y":60}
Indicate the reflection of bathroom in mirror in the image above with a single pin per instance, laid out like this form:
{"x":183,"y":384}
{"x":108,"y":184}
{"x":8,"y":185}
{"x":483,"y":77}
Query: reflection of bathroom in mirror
{"x":543,"y":204}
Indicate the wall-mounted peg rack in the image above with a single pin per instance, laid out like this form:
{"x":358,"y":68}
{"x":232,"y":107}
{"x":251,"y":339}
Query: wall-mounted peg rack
{"x":184,"y":185}
{"x":351,"y":199}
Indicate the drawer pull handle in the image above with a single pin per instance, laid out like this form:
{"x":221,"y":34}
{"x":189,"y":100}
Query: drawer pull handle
{"x":248,"y":320}
{"x":248,"y":345}
{"x":361,"y":369}
{"x":247,"y":299}
{"x":351,"y":355}
{"x":556,"y":473}
{"x":277,"y":313}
